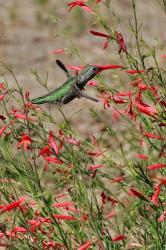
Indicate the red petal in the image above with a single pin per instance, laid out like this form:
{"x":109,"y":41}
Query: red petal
{"x":63,"y":204}
{"x":148,"y":110}
{"x":153,"y":136}
{"x":53,"y":160}
{"x":78,"y":68}
{"x":3,"y":129}
{"x":142,"y":156}
{"x":58,"y":51}
{"x":156,"y":196}
{"x":96,"y":33}
{"x":94,"y":167}
{"x":156,"y":166}
{"x":85,"y":246}
{"x":110,"y":66}
{"x":64,"y":217}
{"x":86,"y":8}
{"x":118,"y":238}
{"x":52,"y":143}
{"x":163,"y":56}
{"x":133,"y":72}
{"x":92,"y":83}
{"x":14,"y":204}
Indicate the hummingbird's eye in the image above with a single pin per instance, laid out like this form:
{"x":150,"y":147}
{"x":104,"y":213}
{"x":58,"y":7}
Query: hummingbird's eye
{"x":94,"y":68}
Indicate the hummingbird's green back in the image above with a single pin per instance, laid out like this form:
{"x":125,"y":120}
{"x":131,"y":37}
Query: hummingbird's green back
{"x":57,"y":95}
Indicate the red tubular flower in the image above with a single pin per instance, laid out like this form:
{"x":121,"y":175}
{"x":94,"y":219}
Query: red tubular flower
{"x":22,"y":116}
{"x":96,"y":33}
{"x":156,"y":166}
{"x":146,"y":109}
{"x":77,"y":68}
{"x":94,"y":167}
{"x":121,"y":42}
{"x":118,"y":238}
{"x":85,"y":246}
{"x":53,"y":160}
{"x":130,"y":110}
{"x":72,"y":141}
{"x":136,"y":193}
{"x":64,"y":217}
{"x":25,"y":141}
{"x":19,"y":230}
{"x":133,"y":72}
{"x":45,"y":151}
{"x":92,"y":83}
{"x":153,"y":136}
{"x":118,"y":99}
{"x":2,"y":85}
{"x":81,"y":4}
{"x":155,"y":197}
{"x":3,"y":129}
{"x":106,"y":103}
{"x":118,"y":179}
{"x":142,"y":156}
{"x":3,"y":95}
{"x":95,"y":153}
{"x":63,"y":204}
{"x":58,"y":51}
{"x":162,"y":217}
{"x":163,"y":56}
{"x":111,"y":215}
{"x":2,"y":117}
{"x":100,"y":34}
{"x":110,"y":66}
{"x":13,"y":205}
{"x":128,"y":93}
{"x":112,"y":200}
{"x":52,"y":143}
{"x":103,"y":198}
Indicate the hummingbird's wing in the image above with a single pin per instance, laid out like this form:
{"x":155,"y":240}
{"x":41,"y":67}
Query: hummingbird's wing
{"x":62,"y":66}
{"x":57,"y":95}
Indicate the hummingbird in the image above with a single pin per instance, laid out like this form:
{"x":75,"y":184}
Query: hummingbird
{"x":73,"y":87}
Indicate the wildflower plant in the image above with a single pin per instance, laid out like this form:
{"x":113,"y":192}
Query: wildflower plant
{"x":61,"y":190}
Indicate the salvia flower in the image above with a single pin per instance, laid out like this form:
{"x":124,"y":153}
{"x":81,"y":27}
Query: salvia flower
{"x":25,"y":142}
{"x":118,"y":238}
{"x":133,"y":71}
{"x":153,"y":136}
{"x":100,"y":34}
{"x":58,"y":51}
{"x":142,"y":156}
{"x":156,"y":166}
{"x":162,"y":217}
{"x":146,"y":109}
{"x":155,"y":196}
{"x":134,"y":192}
{"x":53,"y":160}
{"x":13,"y":205}
{"x":2,"y":96}
{"x":94,"y":167}
{"x":64,"y":217}
{"x":63,"y":204}
{"x":121,"y":42}
{"x":85,"y":246}
{"x":2,"y":130}
{"x":80,"y":4}
{"x":53,"y":143}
